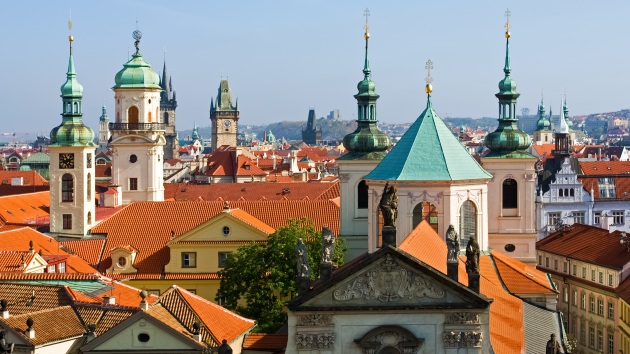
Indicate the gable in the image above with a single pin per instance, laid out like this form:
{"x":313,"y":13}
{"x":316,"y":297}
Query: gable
{"x":391,"y":279}
{"x":140,"y":333}
{"x":213,"y":230}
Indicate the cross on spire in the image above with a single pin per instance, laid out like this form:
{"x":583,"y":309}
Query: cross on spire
{"x":366,"y":13}
{"x":507,"y":20}
{"x":429,"y":66}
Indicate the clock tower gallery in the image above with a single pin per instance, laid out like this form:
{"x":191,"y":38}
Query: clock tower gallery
{"x":72,"y":150}
{"x":224,"y":117}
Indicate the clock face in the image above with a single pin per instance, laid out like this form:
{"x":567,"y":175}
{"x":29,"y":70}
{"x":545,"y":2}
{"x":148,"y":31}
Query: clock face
{"x":66,"y":161}
{"x":89,"y":161}
{"x":227,"y":123}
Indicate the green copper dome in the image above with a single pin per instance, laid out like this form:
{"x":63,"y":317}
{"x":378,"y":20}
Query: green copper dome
{"x":565,"y":109}
{"x":72,"y":134}
{"x":71,"y":88}
{"x":543,"y":123}
{"x":137,"y":73}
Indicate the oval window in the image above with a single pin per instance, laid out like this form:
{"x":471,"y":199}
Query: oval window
{"x":133,"y":158}
{"x":143,"y":337}
{"x":510,"y":247}
{"x":149,"y":101}
{"x":226,"y":231}
{"x":122,"y":262}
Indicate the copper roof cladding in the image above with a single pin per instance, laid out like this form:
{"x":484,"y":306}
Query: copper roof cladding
{"x":50,"y":325}
{"x":252,"y":191}
{"x":218,"y":323}
{"x":136,"y":225}
{"x":588,"y":244}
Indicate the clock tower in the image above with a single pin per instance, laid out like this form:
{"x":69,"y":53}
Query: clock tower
{"x":72,"y":177}
{"x":138,"y":132}
{"x":224,"y":117}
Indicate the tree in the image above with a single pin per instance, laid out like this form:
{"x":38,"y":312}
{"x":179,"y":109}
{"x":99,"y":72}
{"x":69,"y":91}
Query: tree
{"x":258,"y":278}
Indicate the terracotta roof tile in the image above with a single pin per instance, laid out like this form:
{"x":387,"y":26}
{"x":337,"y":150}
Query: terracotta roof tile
{"x":587,"y":243}
{"x":622,"y":187}
{"x":15,"y":261}
{"x":46,"y":324}
{"x":88,"y":249}
{"x":520,"y":278}
{"x":111,"y":318}
{"x":265,"y":341}
{"x":195,"y":276}
{"x":45,"y":276}
{"x":598,"y":168}
{"x":252,"y":221}
{"x":46,"y":297}
{"x":26,"y":209}
{"x":29,"y":178}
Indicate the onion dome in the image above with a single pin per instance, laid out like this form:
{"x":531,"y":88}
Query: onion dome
{"x":72,"y":131}
{"x":367,"y":141}
{"x":565,"y":110}
{"x":137,"y":73}
{"x":543,"y":123}
{"x":507,"y":140}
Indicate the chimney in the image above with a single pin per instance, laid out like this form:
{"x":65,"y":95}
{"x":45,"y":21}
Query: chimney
{"x":109,"y":300}
{"x":30,"y":332}
{"x":4,"y":310}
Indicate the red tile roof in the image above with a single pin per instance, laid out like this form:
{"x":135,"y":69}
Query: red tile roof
{"x":252,"y":221}
{"x":600,"y":168}
{"x":29,"y":178}
{"x":46,"y":324}
{"x":252,"y":191}
{"x":227,"y":163}
{"x":587,"y":243}
{"x":25,"y":209}
{"x":88,"y":249}
{"x":136,"y":225}
{"x":265,"y":342}
{"x":622,"y":187}
{"x":15,"y":261}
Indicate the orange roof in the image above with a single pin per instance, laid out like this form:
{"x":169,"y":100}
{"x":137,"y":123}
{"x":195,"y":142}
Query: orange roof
{"x":506,"y":311}
{"x":90,"y":249}
{"x":265,"y":341}
{"x":25,"y":209}
{"x":600,"y":168}
{"x":252,"y":191}
{"x":520,"y":278}
{"x":543,"y":150}
{"x":135,"y":225}
{"x":252,"y":221}
{"x":622,"y":187}
{"x":29,"y":178}
{"x":46,"y":324}
{"x":15,"y":261}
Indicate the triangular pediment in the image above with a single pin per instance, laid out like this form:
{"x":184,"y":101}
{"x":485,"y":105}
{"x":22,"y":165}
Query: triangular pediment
{"x":388,"y":278}
{"x":238,"y":229}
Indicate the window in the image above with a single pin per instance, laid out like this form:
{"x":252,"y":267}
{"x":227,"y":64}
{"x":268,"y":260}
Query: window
{"x":61,"y":267}
{"x":574,"y":269}
{"x":617,"y":217}
{"x":583,"y":301}
{"x":133,"y":184}
{"x":610,"y":280}
{"x":547,"y":262}
{"x":574,"y":298}
{"x":592,"y":274}
{"x":67,"y":188}
{"x":591,"y":304}
{"x":122,"y":262}
{"x":611,"y":309}
{"x":226,"y":231}
{"x":600,"y":307}
{"x":67,"y":221}
{"x":132,"y":117}
{"x":133,"y":158}
{"x":579,"y":217}
{"x":222,"y":258}
{"x":189,"y":259}
{"x":362,"y":196}
{"x":564,"y":267}
{"x":596,"y":217}
{"x":600,"y":340}
{"x":89,"y":218}
{"x":582,"y":333}
{"x":606,"y":187}
{"x":510,"y":193}
{"x":601,"y":277}
{"x":155,"y":292}
{"x":611,"y":343}
{"x":555,"y":264}
{"x":566,"y":294}
{"x":591,"y":337}
{"x":51,"y":268}
{"x":584,"y":272}
{"x":552,"y":220}
{"x":539,"y":260}
{"x":467,"y":222}
{"x":150,"y":116}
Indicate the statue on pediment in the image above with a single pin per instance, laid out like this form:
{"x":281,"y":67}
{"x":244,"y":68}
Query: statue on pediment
{"x":389,"y":205}
{"x":472,"y":256}
{"x":452,"y":243}
{"x":303,"y":268}
{"x":328,"y":245}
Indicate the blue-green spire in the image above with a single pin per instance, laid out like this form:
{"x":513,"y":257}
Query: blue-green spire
{"x":543,"y":123}
{"x":104,"y":117}
{"x":508,"y":140}
{"x":565,"y":110}
{"x":72,"y":131}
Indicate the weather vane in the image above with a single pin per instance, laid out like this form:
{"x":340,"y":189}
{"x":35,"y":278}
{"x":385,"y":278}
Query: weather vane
{"x":366,"y":13}
{"x":70,"y":38}
{"x":137,"y":35}
{"x":507,"y":22}
{"x":429,"y":79}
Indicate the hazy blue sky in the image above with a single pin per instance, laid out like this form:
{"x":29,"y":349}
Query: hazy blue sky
{"x":283,"y":57}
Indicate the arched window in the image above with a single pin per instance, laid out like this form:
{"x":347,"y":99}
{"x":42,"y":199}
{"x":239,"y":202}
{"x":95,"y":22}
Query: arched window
{"x":132,"y":115}
{"x":150,"y":117}
{"x":566,"y":192}
{"x":510,"y":194}
{"x":572,"y":192}
{"x":89,"y":217}
{"x":76,"y":108}
{"x":362,"y":195}
{"x":417,"y":215}
{"x":467,"y":222}
{"x":561,"y":192}
{"x":165,"y":117}
{"x":89,"y":187}
{"x":67,"y":188}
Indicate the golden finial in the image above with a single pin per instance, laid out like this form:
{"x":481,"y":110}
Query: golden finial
{"x":428,"y":88}
{"x":70,"y":38}
{"x":507,"y":23}
{"x":366,"y":13}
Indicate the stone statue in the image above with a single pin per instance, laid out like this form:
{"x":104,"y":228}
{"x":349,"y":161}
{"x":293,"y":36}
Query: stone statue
{"x":472,"y":256}
{"x":224,"y":348}
{"x":452,"y":242}
{"x":553,"y":347}
{"x":303,"y":268}
{"x":389,"y":205}
{"x":328,"y":245}
{"x":5,"y":347}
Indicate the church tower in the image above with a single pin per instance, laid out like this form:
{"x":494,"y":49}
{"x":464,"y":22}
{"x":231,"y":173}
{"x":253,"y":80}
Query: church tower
{"x":138,"y":132}
{"x":543,"y":133}
{"x":311,"y":135}
{"x":72,"y":176}
{"x":224,"y":117}
{"x":103,"y":130}
{"x":512,"y":224}
{"x":168,"y":104}
{"x":366,"y":148}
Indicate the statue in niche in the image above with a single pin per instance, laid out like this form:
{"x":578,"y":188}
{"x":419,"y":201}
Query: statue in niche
{"x":303,"y":268}
{"x":472,"y":256}
{"x":452,"y":242}
{"x":553,"y":347}
{"x":389,"y":205}
{"x":328,"y":245}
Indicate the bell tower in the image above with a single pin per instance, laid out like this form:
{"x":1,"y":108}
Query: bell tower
{"x":224,"y":117}
{"x":72,"y":177}
{"x":138,"y":131}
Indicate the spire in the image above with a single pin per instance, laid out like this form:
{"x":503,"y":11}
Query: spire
{"x":104,"y":116}
{"x":565,"y":110}
{"x":165,"y":84}
{"x":562,"y":128}
{"x":506,"y":68}
{"x":366,"y":65}
{"x":543,"y":123}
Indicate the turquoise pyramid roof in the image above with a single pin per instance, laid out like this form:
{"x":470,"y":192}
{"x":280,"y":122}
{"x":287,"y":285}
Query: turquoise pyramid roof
{"x":428,"y":152}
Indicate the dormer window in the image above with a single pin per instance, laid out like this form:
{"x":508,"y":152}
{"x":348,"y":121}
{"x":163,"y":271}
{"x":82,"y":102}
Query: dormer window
{"x":122,"y":262}
{"x":606,"y":187}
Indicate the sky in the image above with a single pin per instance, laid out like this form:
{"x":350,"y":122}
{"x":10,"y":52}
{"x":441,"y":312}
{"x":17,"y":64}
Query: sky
{"x":284,"y":57}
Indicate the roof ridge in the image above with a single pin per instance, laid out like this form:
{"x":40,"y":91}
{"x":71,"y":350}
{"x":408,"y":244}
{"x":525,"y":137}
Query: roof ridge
{"x":435,"y":125}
